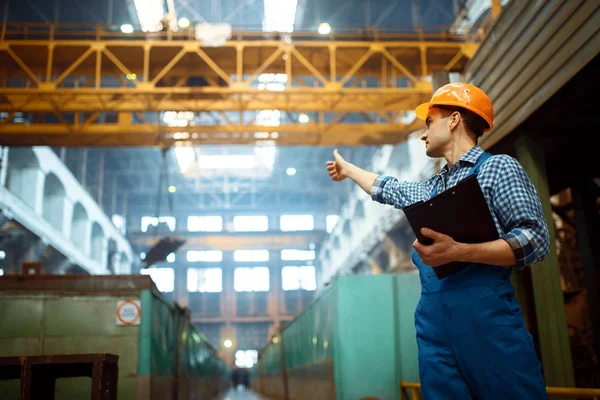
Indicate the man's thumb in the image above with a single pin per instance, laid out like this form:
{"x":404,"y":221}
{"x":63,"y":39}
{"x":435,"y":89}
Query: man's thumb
{"x":336,"y":154}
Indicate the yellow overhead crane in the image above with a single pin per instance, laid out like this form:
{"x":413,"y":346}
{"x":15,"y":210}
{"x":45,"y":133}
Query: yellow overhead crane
{"x":96,"y":86}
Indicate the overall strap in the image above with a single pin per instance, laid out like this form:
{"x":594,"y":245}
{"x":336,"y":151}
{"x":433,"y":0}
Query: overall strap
{"x":474,"y":170}
{"x":482,"y":158}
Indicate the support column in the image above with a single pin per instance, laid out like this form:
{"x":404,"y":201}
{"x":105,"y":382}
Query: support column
{"x":547,"y":291}
{"x":3,"y":165}
{"x":584,"y":193}
{"x":181,"y":295}
{"x":275,"y":299}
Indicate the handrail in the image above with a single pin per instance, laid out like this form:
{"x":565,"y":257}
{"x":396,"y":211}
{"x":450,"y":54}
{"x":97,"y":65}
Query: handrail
{"x":414,"y":388}
{"x":81,"y":31}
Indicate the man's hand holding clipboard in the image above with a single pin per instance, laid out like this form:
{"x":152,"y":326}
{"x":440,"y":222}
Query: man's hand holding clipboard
{"x":457,"y":215}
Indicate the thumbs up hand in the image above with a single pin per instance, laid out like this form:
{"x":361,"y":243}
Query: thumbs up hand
{"x":338,"y":169}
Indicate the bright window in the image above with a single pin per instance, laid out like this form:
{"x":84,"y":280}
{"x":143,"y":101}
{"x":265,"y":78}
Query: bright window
{"x":297,"y":223}
{"x":119,"y":223}
{"x":330,"y":222}
{"x":301,"y":255}
{"x":254,"y":223}
{"x":205,"y":256}
{"x":171,"y":258}
{"x":147,"y":221}
{"x":1,"y":271}
{"x":205,"y":280}
{"x":2,"y":255}
{"x":205,"y":224}
{"x":295,"y":278}
{"x":251,"y":255}
{"x":255,"y":279}
{"x":232,"y":161}
{"x":164,"y":278}
{"x":246,"y":358}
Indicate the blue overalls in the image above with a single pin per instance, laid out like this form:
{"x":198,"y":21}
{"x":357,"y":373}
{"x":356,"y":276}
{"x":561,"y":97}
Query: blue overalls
{"x":473,"y":343}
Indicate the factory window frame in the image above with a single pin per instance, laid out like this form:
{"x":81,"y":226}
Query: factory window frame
{"x":148,"y":221}
{"x":246,"y":358}
{"x":251,"y":279}
{"x":207,"y":223}
{"x":164,"y":278}
{"x":205,"y":280}
{"x":251,"y":255}
{"x":250,"y":223}
{"x":297,"y":255}
{"x":204,"y":256}
{"x":298,"y":278}
{"x":297,"y":223}
{"x":331,"y":221}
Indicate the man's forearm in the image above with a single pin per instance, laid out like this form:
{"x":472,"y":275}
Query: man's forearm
{"x":362,"y":178}
{"x":497,"y":252}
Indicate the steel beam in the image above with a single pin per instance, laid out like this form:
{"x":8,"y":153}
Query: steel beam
{"x":66,"y":78}
{"x":127,"y":134}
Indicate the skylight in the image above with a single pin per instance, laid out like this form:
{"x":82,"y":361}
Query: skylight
{"x":149,"y":13}
{"x":279,"y":15}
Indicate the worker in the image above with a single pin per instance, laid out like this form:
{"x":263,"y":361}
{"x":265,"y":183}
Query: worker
{"x":471,"y":336}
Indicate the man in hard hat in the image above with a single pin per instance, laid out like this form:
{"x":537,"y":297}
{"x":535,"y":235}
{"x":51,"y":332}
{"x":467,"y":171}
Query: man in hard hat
{"x":473,"y":343}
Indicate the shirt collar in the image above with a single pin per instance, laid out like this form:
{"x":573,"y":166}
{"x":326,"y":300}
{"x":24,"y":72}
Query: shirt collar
{"x":470,"y":157}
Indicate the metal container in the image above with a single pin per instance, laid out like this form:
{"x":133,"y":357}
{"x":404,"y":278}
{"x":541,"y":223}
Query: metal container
{"x":161,"y":354}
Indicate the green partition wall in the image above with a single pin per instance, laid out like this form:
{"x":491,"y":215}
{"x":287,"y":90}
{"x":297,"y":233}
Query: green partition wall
{"x":357,"y":339}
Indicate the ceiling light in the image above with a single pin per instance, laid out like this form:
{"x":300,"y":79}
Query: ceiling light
{"x":324,"y":28}
{"x":183,"y":23}
{"x":126,"y":28}
{"x":291,"y":171}
{"x":303,"y":118}
{"x":227,"y":343}
{"x":172,"y":189}
{"x":131,"y":76}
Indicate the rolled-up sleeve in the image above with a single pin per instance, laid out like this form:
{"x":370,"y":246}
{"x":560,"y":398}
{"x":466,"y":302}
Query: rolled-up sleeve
{"x":520,"y":213}
{"x":388,"y":190}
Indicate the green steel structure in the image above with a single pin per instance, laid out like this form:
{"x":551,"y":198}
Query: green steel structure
{"x":162,"y":357}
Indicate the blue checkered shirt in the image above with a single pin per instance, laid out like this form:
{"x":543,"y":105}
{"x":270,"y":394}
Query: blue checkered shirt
{"x":515,"y":205}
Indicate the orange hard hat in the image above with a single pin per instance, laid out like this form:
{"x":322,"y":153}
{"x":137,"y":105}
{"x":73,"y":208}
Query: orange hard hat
{"x":462,"y":95}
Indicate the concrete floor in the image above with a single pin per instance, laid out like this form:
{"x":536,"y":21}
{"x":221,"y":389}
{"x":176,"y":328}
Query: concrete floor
{"x":240,"y":394}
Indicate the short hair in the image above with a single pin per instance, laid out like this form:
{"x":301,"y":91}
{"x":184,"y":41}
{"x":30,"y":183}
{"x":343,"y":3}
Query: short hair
{"x":473,"y":122}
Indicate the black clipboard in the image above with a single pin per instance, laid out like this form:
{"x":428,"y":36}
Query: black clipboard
{"x":460,"y":212}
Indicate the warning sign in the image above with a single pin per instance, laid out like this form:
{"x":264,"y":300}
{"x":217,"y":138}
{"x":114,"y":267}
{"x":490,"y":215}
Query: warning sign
{"x":129,"y":312}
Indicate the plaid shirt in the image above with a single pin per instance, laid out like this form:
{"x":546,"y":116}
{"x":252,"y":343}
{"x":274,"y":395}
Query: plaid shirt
{"x":516,"y":207}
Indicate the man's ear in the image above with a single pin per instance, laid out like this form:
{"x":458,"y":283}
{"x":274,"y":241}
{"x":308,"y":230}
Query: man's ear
{"x":454,"y":120}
